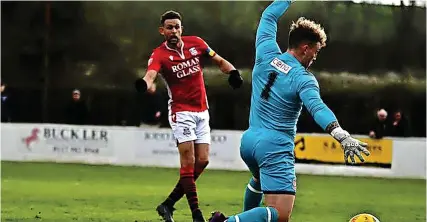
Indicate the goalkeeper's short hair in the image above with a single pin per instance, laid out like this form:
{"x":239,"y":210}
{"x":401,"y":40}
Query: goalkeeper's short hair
{"x":305,"y":30}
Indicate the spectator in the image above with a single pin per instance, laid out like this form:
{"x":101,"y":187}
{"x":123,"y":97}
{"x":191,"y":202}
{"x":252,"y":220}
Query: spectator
{"x":77,"y":111}
{"x":5,"y":104}
{"x":399,"y":127}
{"x":150,"y":106}
{"x":379,"y":127}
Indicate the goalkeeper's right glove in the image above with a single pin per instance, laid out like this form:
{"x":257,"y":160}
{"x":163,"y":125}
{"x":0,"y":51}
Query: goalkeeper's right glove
{"x":350,"y":145}
{"x":141,"y":85}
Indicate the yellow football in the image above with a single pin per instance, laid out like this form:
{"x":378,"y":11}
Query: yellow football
{"x":364,"y":218}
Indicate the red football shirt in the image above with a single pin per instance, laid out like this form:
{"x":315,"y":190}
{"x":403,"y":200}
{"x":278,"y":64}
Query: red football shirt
{"x":182,"y":72}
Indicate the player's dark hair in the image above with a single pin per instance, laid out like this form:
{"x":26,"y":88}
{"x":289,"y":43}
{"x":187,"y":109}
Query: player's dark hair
{"x":169,"y":15}
{"x":304,"y":30}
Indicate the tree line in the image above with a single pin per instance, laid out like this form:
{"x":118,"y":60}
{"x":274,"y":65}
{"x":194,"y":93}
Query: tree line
{"x":49,"y":48}
{"x":108,"y":43}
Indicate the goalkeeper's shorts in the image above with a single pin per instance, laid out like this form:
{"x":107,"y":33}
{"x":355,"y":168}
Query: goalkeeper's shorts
{"x":269,"y":155}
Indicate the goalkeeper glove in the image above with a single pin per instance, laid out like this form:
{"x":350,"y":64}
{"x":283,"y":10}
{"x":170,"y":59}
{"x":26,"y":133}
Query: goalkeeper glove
{"x":141,"y":85}
{"x":235,"y":79}
{"x":350,"y":145}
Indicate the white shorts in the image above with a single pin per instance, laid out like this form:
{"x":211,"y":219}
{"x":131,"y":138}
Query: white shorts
{"x":191,"y":126}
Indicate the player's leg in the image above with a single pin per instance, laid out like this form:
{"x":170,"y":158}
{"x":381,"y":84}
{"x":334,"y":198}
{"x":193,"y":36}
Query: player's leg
{"x":202,"y":143}
{"x":202,"y":158}
{"x":191,"y":191}
{"x":186,"y":183}
{"x":183,"y":127}
{"x":201,"y":161}
{"x":283,"y":203}
{"x":187,"y":180}
{"x":253,"y":194}
{"x":279,"y":209}
{"x":201,"y":150}
{"x":277,"y":174}
{"x":279,"y":205}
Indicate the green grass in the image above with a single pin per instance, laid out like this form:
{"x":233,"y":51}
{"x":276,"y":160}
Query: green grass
{"x":72,"y":192}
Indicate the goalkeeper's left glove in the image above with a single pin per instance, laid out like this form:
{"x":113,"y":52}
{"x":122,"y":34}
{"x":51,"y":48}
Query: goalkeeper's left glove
{"x":350,"y":145}
{"x":235,"y":79}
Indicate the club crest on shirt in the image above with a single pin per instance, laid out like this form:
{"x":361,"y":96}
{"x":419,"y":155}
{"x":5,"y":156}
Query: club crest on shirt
{"x":193,"y":51}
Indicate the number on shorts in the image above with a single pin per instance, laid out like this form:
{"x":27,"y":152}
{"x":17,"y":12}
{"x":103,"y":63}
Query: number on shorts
{"x":265,"y":94}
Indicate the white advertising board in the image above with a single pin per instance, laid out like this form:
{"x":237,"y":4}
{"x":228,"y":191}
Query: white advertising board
{"x":157,"y":148}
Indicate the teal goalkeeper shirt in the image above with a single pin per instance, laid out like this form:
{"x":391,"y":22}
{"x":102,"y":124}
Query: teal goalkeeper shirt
{"x":280,"y":84}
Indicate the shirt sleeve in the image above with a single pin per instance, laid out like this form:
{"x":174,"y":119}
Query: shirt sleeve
{"x":154,"y":62}
{"x":309,"y":93}
{"x":265,"y":43}
{"x":206,"y":50}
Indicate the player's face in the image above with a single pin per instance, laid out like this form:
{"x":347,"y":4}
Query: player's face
{"x":172,"y":31}
{"x":397,"y":116}
{"x":310,"y":53}
{"x":76,"y":96}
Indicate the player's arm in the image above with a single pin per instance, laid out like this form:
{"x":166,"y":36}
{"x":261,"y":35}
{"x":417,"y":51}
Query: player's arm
{"x":154,"y":66}
{"x":225,"y":66}
{"x":265,"y":41}
{"x":309,"y":94}
{"x":235,"y":79}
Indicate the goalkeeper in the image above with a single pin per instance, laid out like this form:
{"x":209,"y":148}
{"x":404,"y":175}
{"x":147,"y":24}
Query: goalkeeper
{"x":281,"y":84}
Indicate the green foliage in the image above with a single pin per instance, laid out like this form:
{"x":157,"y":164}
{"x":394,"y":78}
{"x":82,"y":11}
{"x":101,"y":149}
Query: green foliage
{"x":344,"y":93}
{"x":133,"y":25}
{"x":333,"y":82}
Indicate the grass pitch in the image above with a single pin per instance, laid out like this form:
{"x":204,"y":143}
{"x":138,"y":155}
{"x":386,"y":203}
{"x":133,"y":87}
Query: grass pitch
{"x":72,"y":192}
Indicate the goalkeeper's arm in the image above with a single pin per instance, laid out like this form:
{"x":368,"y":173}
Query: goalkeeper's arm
{"x":310,"y":96}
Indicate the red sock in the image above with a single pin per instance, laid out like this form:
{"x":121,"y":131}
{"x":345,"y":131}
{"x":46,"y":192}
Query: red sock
{"x":178,"y":191}
{"x":189,"y":187}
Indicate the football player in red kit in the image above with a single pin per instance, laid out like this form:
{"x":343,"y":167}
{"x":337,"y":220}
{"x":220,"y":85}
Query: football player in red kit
{"x":178,"y":61}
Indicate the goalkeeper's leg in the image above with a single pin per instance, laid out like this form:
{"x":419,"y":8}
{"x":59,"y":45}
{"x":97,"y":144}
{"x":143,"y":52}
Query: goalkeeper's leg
{"x":279,"y":210}
{"x":279,"y":195}
{"x":278,"y":181}
{"x":253,"y":194}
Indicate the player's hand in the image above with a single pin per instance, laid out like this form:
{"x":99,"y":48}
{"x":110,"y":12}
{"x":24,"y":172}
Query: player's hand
{"x":157,"y":115}
{"x":235,"y":79}
{"x":350,"y":145}
{"x":141,"y":85}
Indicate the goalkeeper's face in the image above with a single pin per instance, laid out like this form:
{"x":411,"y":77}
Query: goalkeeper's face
{"x":310,"y":52}
{"x":172,"y":31}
